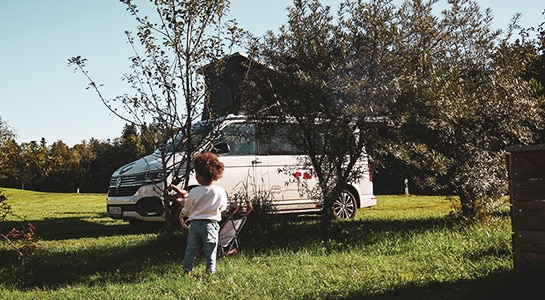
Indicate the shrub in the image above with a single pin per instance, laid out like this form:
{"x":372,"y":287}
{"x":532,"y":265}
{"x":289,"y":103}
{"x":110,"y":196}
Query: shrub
{"x":24,"y":241}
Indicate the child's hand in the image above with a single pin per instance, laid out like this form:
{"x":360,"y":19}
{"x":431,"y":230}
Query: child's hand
{"x":181,"y":192}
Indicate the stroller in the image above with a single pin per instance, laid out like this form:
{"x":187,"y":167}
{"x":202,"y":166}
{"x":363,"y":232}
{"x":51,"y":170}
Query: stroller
{"x":228,"y":242}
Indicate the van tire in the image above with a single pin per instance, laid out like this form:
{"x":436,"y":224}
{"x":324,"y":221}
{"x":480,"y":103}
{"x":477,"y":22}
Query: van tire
{"x":182,"y":221}
{"x":345,"y":206}
{"x":178,"y":218}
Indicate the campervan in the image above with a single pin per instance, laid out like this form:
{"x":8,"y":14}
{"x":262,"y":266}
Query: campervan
{"x":267,"y":166}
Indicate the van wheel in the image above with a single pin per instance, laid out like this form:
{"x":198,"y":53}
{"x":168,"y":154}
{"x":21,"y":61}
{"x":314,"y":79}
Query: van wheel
{"x":345,"y":206}
{"x":181,"y":219}
{"x":177,"y":218}
{"x":184,"y":222}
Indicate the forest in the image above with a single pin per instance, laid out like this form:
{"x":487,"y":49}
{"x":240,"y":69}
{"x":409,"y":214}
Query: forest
{"x":56,"y":167}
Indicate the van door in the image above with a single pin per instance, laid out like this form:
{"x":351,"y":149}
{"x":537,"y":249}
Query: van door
{"x":290,"y":185}
{"x":242,"y":165}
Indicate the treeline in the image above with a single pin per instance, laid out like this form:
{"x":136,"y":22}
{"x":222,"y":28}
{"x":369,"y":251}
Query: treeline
{"x":85,"y":167}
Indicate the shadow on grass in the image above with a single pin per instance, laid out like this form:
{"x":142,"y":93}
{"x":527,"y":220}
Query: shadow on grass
{"x":78,"y":227}
{"x":137,"y":259}
{"x":119,"y":262}
{"x":93,"y":265}
{"x":503,"y":285}
{"x":295,"y":234}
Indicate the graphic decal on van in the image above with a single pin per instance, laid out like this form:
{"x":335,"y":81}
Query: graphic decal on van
{"x":276,"y":189}
{"x":302,"y":185}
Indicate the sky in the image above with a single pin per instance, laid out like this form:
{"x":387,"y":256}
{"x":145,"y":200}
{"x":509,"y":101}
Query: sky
{"x":42,"y":97}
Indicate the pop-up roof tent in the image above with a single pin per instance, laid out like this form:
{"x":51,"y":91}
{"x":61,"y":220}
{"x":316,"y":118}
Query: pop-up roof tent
{"x":238,"y":82}
{"x":225,"y":83}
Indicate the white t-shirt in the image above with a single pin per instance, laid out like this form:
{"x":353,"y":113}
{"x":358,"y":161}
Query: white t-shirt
{"x":205,"y":202}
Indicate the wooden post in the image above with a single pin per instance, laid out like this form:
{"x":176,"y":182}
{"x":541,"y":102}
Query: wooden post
{"x":526,"y":166}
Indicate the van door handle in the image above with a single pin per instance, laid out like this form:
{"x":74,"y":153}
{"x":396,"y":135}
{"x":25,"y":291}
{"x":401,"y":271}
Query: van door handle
{"x":256,"y":161}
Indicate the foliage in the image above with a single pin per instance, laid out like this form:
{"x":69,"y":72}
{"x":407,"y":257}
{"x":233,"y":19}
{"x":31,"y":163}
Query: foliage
{"x":307,"y":56}
{"x":85,"y":167}
{"x":8,"y":152}
{"x":260,"y":220}
{"x":23,"y":241}
{"x":462,"y":100}
{"x":171,"y":48}
{"x":29,"y":241}
{"x":405,"y":247}
{"x":455,"y":91}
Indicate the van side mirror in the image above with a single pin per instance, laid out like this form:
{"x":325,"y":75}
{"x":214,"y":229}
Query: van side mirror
{"x":221,"y":148}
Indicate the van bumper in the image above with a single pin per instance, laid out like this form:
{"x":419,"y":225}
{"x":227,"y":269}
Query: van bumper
{"x":148,"y":209}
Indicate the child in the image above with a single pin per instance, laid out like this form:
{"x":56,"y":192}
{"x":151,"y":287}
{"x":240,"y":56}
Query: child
{"x":203,"y":208}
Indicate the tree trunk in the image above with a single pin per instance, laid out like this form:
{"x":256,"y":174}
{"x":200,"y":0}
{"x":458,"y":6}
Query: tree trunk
{"x":327,"y":218}
{"x":168,"y":214}
{"x":467,"y":205}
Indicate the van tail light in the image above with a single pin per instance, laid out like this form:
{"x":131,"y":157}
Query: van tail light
{"x":370,"y":173}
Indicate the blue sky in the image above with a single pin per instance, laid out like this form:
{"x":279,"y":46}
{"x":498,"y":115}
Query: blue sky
{"x":40,"y":96}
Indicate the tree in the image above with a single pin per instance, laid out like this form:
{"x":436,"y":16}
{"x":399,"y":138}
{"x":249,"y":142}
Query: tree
{"x":9,"y":151}
{"x":306,"y":87}
{"x":454,"y":91}
{"x":462,"y":100}
{"x":34,"y":163}
{"x":457,"y":97}
{"x":181,"y":38}
{"x":62,"y":175}
{"x":129,"y":146}
{"x":537,"y":69}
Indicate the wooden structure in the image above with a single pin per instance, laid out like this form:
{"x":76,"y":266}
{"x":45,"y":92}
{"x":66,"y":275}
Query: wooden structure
{"x":526,"y":165}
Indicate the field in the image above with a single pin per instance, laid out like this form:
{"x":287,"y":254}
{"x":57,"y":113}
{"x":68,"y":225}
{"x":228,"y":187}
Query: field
{"x":407,"y":247}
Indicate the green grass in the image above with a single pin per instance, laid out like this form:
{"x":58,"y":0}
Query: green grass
{"x":404,"y":248}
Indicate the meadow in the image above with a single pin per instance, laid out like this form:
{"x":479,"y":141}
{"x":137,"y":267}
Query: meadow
{"x":406,"y":247}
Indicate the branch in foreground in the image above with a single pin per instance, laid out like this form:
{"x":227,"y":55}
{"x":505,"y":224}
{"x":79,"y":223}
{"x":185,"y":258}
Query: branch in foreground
{"x":12,"y":245}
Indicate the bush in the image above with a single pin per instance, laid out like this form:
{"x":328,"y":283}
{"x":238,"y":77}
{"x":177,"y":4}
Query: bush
{"x":24,"y":241}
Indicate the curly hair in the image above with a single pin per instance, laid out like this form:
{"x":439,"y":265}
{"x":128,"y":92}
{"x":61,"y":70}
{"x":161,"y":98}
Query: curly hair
{"x":208,"y":166}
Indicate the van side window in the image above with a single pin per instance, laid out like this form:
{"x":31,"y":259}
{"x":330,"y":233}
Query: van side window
{"x":276,"y":140}
{"x":240,"y":137}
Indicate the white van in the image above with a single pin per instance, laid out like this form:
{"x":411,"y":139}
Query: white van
{"x":255,"y":164}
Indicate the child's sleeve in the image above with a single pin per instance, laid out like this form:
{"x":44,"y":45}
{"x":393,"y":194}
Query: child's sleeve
{"x":186,"y":208}
{"x":223,"y":200}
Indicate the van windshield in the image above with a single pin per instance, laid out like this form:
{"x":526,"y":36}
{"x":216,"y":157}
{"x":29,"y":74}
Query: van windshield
{"x":199,"y":130}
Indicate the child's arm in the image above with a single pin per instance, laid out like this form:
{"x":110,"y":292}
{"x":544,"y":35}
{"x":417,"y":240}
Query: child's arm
{"x":181,"y":192}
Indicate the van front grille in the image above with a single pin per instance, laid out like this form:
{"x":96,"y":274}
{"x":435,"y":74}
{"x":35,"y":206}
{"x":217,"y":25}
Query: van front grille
{"x":122,"y":191}
{"x":123,"y":186}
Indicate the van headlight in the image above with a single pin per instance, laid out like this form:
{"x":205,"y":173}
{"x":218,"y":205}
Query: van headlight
{"x":150,"y":177}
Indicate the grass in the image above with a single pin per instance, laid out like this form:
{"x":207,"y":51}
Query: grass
{"x":403,"y":248}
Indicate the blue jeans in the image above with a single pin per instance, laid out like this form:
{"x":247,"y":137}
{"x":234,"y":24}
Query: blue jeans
{"x":202,"y":234}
